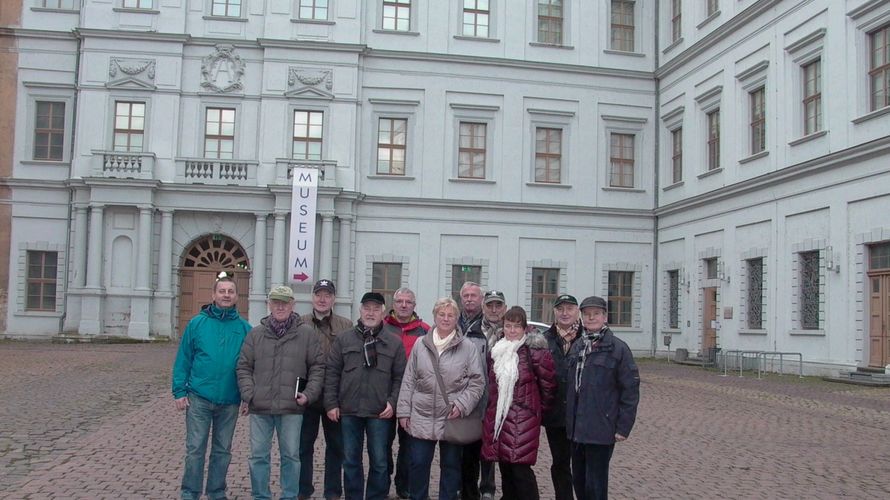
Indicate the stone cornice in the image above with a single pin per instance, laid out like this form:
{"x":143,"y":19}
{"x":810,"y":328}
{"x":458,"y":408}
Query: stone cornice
{"x":303,"y":44}
{"x":32,"y":33}
{"x":131,"y":35}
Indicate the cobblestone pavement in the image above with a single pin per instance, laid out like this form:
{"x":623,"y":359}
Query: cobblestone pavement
{"x":96,"y":421}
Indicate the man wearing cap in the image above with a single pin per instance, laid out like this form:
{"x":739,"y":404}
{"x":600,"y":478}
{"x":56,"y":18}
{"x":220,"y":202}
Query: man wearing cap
{"x":601,"y":401}
{"x":325,"y":325}
{"x":280,"y":370}
{"x":493,"y":309}
{"x":403,"y":317}
{"x":362,"y":380}
{"x":561,"y":336}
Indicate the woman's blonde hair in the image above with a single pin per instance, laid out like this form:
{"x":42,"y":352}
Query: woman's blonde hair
{"x":445,"y":302}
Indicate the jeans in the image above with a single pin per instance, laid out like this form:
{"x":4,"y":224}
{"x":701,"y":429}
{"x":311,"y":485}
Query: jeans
{"x":471,"y":463}
{"x":449,"y":469}
{"x":333,"y":453}
{"x":204,"y":420}
{"x":354,"y":431}
{"x":561,"y":470}
{"x":288,"y":429}
{"x":518,"y":481}
{"x":590,"y":468}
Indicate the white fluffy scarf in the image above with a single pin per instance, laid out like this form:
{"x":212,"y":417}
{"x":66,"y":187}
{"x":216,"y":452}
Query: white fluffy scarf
{"x":506,"y":372}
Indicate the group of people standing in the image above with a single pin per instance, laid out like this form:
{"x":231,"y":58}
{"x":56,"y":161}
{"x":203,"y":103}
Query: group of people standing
{"x":478,"y":383}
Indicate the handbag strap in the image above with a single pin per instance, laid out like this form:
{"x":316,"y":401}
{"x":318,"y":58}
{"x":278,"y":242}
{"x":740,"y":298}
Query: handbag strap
{"x":435,"y":361}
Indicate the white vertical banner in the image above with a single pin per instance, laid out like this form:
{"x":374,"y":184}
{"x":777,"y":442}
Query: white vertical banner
{"x":302,"y":225}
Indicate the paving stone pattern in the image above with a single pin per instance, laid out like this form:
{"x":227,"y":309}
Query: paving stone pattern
{"x":97,"y":421}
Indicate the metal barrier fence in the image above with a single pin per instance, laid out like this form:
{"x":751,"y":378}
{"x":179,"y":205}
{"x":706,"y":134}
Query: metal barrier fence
{"x":781,"y":356}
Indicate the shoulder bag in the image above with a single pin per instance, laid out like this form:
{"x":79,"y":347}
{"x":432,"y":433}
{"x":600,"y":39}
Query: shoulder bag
{"x":461,"y":430}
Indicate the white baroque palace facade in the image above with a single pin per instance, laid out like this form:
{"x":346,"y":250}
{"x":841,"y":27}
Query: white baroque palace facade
{"x":719,"y":169}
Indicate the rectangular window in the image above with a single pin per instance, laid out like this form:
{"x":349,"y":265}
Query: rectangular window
{"x":676,"y":20}
{"x":226,"y":8}
{"x":879,"y":74}
{"x":621,"y":160}
{"x":879,"y":256}
{"x":471,"y":151}
{"x":545,"y":283}
{"x":623,"y":25}
{"x":308,"y":128}
{"x":41,"y":281}
{"x":620,"y":298}
{"x":57,"y":4}
{"x":316,"y":10}
{"x":137,"y":4}
{"x":476,"y":15}
{"x":714,"y":140}
{"x":677,"y":156}
{"x":550,"y":15}
{"x":812,"y":97}
{"x":713,"y":7}
{"x":758,"y":120}
{"x":392,"y":137}
{"x":809,"y":290}
{"x":674,"y":299}
{"x":397,"y":15}
{"x":129,"y":126}
{"x":548,"y":155}
{"x":460,"y":274}
{"x":711,"y":268}
{"x":755,"y":293}
{"x":386,"y":278}
{"x":219,"y":133}
{"x":49,"y":131}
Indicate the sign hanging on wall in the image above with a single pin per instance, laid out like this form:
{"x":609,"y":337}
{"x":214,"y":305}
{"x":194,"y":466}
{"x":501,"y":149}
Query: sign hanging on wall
{"x":302,"y":224}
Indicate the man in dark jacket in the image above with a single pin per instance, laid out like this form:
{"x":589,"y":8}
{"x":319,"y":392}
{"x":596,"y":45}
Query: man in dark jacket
{"x":362,"y":380}
{"x":411,"y":328}
{"x":602,"y":398}
{"x":561,"y":336}
{"x":280,"y":370}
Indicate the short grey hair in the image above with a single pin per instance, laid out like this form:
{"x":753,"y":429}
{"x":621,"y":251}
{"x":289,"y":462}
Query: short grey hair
{"x":446,"y":302}
{"x":468,"y":284}
{"x":404,"y":291}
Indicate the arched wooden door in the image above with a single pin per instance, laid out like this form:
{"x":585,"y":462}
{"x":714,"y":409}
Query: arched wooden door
{"x":200,"y":265}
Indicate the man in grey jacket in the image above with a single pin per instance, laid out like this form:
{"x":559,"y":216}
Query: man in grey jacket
{"x":280,"y":371}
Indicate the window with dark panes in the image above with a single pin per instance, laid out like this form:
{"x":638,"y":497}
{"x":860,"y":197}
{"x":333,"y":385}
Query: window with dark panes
{"x":545,"y":286}
{"x":714,"y":140}
{"x":41,"y":281}
{"x":812,"y":97}
{"x":548,"y":155}
{"x":471,"y":151}
{"x":621,"y":160}
{"x":129,"y":126}
{"x":550,"y":16}
{"x":308,"y":130}
{"x":620,"y":298}
{"x":397,"y":15}
{"x":386,"y":278}
{"x":809,"y":290}
{"x":476,"y":15}
{"x":676,"y":20}
{"x":755,"y":293}
{"x":392,"y":136}
{"x":49,"y":131}
{"x":758,"y":120}
{"x":623,"y":25}
{"x":711,"y":268}
{"x":460,"y":274}
{"x":713,"y":7}
{"x":219,"y":133}
{"x":677,"y":156}
{"x":879,"y":256}
{"x":879,"y":68}
{"x":674,"y":299}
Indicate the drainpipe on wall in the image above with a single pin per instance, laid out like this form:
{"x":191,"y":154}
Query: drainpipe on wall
{"x":655,"y":199}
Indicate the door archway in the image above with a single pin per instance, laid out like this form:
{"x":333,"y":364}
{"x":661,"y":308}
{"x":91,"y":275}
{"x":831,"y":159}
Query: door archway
{"x":201,"y":262}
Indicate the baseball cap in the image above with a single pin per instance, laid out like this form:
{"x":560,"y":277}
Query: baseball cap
{"x":565,"y":299}
{"x":373,"y":297}
{"x":492,"y":296}
{"x":324,"y":285}
{"x":282,"y":293}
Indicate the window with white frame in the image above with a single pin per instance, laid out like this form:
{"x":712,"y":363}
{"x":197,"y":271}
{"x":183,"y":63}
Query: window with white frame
{"x":812,"y":97}
{"x":757,"y":124}
{"x":314,"y":10}
{"x":673,"y":298}
{"x":219,"y":133}
{"x":622,"y":25}
{"x":58,"y":4}
{"x":550,"y":21}
{"x":621,"y":160}
{"x":808,"y":289}
{"x":620,"y":295}
{"x":677,"y":154}
{"x":397,"y":15}
{"x":308,"y":132}
{"x":137,"y":4}
{"x":471,"y":150}
{"x":712,"y":6}
{"x":129,"y":126}
{"x":386,"y":278}
{"x":713,"y":127}
{"x":545,"y":289}
{"x":548,"y":155}
{"x":41,"y":281}
{"x":754,"y":293}
{"x":392,"y":141}
{"x":676,"y":20}
{"x":475,"y":18}
{"x":49,"y":131}
{"x":879,"y":67}
{"x":225,"y":8}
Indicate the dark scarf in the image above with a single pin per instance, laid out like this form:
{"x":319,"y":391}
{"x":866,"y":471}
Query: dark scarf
{"x":279,"y":328}
{"x":369,"y":348}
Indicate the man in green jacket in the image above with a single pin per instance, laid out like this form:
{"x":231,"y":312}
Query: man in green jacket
{"x":206,"y":388}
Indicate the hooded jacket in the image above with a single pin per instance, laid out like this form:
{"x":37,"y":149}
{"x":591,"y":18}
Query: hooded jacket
{"x":556,"y":417}
{"x":269,"y":367}
{"x":410,"y":331}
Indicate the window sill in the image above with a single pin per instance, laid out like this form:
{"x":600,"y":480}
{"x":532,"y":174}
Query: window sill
{"x":40,"y":314}
{"x":136,"y":11}
{"x":46,"y":163}
{"x":708,"y":19}
{"x":673,"y":45}
{"x":673,"y":186}
{"x":753,"y":157}
{"x":477,"y":38}
{"x":391,"y":177}
{"x":746,"y":331}
{"x":672,"y":331}
{"x":807,"y":333}
{"x":548,"y":185}
{"x":313,"y":21}
{"x":808,"y":138}
{"x":625,"y":329}
{"x":872,"y":115}
{"x":552,"y":45}
{"x":396,"y":32}
{"x":623,"y":53}
{"x":623,"y":189}
{"x":471,"y":181}
{"x":225,"y":18}
{"x":60,"y":11}
{"x":710,"y":173}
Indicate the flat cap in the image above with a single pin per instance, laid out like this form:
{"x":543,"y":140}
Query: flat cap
{"x":594,"y":301}
{"x":282,"y":293}
{"x":373,"y":297}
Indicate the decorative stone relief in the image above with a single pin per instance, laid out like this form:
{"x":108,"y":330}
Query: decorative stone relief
{"x":223,"y":70}
{"x":311,"y":81}
{"x":123,"y":71}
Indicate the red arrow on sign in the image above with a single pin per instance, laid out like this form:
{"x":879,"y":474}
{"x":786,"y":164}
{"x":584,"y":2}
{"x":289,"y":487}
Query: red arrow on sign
{"x":301,"y":277}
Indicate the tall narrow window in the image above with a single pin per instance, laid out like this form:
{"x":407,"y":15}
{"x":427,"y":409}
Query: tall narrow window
{"x":308,"y":130}
{"x":476,"y":15}
{"x":621,"y":160}
{"x":49,"y":130}
{"x":674,"y":299}
{"x":41,"y":281}
{"x":137,"y":4}
{"x":879,"y":74}
{"x":809,"y":290}
{"x":623,"y":25}
{"x":677,"y":156}
{"x":316,"y":10}
{"x":676,"y":20}
{"x":714,"y":139}
{"x":713,"y":7}
{"x":129,"y":126}
{"x":620,"y":298}
{"x":392,"y":135}
{"x":758,"y":120}
{"x":812,"y":97}
{"x":460,"y":274}
{"x":545,"y":283}
{"x":755,"y":293}
{"x":219,"y":133}
{"x":226,"y":8}
{"x":386,"y":278}
{"x":471,"y":151}
{"x":710,"y":268}
{"x":548,"y":154}
{"x":397,"y":15}
{"x":550,"y":16}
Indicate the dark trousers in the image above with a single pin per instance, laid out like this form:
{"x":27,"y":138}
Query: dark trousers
{"x":518,"y":481}
{"x":590,"y":470}
{"x":471,"y":464}
{"x":333,"y":453}
{"x":561,"y":470}
{"x":402,"y":462}
{"x":422,"y":451}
